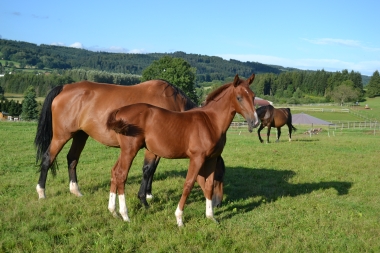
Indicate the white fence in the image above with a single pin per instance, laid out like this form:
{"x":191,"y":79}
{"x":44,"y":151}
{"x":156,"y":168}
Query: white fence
{"x":309,"y":109}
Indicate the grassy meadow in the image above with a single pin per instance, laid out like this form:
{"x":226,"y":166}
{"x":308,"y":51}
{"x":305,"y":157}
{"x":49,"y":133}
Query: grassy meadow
{"x":315,"y":194}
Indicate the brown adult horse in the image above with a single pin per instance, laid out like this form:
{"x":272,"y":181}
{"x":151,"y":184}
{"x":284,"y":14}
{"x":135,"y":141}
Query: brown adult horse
{"x":76,"y":111}
{"x":274,"y":117}
{"x":198,"y":134}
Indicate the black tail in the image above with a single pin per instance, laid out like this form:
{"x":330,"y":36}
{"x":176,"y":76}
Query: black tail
{"x":45,"y":127}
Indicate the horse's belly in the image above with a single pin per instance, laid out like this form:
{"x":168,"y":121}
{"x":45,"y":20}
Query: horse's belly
{"x":102,"y":135}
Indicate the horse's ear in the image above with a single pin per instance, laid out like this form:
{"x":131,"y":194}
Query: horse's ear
{"x":236,"y":80}
{"x":250,"y":80}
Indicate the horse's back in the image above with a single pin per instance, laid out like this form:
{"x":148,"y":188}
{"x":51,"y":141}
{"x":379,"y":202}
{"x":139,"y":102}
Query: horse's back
{"x":86,"y":105}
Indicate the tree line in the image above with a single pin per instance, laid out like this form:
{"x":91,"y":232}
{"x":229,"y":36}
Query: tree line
{"x":18,"y":82}
{"x":208,"y":68}
{"x":305,"y":86}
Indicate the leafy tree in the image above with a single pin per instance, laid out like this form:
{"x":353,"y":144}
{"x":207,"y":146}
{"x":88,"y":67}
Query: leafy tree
{"x":176,"y":71}
{"x":29,"y":105}
{"x":373,"y":87}
{"x":344,"y":93}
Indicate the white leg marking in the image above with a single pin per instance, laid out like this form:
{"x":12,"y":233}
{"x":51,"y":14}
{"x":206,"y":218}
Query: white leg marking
{"x":209,"y":210}
{"x":149,"y":196}
{"x":178,"y":215}
{"x":112,"y":204}
{"x":123,"y":210}
{"x":40,"y":191}
{"x":74,"y":189}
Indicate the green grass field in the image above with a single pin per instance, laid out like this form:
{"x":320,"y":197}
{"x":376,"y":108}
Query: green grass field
{"x":315,"y":194}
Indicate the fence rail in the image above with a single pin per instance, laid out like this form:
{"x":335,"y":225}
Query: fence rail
{"x":309,"y":109}
{"x":335,"y":124}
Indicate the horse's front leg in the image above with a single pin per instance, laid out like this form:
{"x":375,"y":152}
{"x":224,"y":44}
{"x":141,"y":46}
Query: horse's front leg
{"x":258,"y":132}
{"x":149,"y":167}
{"x":268,"y":133}
{"x":192,"y":173}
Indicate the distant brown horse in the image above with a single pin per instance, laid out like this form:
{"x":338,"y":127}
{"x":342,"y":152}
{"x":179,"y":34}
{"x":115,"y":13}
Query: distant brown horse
{"x":76,"y":111}
{"x":274,"y":117}
{"x":198,"y":134}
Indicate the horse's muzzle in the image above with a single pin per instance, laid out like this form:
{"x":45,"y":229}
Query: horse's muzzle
{"x":253,"y":123}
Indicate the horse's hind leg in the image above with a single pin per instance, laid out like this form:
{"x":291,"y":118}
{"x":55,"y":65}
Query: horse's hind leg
{"x":118,"y":178}
{"x":129,"y":148}
{"x":46,"y":162}
{"x":79,"y":141}
{"x":192,"y":173}
{"x":208,"y":172}
{"x":290,"y":132}
{"x":278,"y":134}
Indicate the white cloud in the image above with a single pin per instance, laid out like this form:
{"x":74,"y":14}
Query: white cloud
{"x":58,"y":44}
{"x":341,"y":42}
{"x":364,"y":67}
{"x":76,"y":45}
{"x":116,"y":49}
{"x":137,"y":51}
{"x":326,"y":41}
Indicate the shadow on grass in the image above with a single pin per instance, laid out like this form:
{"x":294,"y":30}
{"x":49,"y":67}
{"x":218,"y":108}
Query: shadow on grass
{"x":270,"y":185}
{"x":241,"y":183}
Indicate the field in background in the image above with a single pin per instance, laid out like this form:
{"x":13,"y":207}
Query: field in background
{"x":318,"y":193}
{"x":20,"y":97}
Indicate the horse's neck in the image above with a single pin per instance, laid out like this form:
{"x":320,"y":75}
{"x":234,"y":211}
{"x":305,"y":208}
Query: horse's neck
{"x":221,"y":112}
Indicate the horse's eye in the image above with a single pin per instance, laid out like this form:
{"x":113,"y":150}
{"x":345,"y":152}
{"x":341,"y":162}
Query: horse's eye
{"x":239,"y":98}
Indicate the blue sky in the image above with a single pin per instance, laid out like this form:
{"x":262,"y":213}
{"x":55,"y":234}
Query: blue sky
{"x":331,"y":35}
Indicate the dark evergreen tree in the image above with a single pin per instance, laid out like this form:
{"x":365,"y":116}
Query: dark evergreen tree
{"x":29,"y":105}
{"x":373,"y":87}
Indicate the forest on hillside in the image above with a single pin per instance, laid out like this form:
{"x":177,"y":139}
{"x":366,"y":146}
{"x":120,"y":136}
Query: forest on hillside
{"x":42,"y":56}
{"x":46,"y":66}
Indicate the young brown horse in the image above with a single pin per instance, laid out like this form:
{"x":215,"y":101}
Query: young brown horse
{"x":274,"y":117}
{"x":76,"y":111}
{"x":198,"y":134}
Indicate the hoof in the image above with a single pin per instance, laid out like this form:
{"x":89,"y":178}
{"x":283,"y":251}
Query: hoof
{"x":149,"y":196}
{"x":41,"y":192}
{"x":213,"y":219}
{"x":74,"y":189}
{"x":144,"y":203}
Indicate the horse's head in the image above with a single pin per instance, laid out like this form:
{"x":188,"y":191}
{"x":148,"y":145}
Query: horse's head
{"x":244,"y":101}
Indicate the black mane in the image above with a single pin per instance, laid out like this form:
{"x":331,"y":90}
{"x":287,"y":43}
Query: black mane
{"x":177,"y":91}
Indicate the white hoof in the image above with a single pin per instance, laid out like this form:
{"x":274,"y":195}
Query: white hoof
{"x":74,"y":189}
{"x":178,"y":215}
{"x":149,"y":196}
{"x":125,"y":217}
{"x":41,"y":192}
